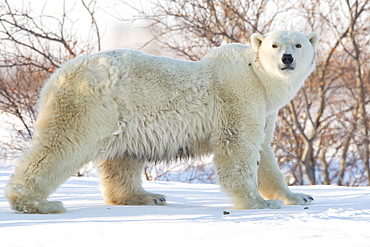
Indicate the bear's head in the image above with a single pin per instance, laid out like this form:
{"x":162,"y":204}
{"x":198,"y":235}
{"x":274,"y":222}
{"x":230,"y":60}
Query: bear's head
{"x":285,"y":53}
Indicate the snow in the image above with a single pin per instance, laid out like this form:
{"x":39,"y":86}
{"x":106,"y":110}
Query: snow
{"x":339,"y":216}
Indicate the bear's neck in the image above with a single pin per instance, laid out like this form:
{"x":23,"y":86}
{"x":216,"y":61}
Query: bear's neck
{"x":279,"y":90}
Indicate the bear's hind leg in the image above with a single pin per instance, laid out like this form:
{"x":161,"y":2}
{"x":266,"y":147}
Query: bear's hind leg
{"x":38,"y":175}
{"x":121,"y":183}
{"x":69,"y":132}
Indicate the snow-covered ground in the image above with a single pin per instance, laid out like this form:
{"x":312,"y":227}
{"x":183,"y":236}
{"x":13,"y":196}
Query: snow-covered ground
{"x":339,"y":216}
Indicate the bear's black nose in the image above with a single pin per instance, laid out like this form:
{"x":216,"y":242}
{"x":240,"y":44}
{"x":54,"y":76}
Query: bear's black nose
{"x":287,"y":59}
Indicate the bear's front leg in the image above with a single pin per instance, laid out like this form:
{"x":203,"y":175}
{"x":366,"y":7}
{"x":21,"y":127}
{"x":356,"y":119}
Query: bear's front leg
{"x":237,"y":167}
{"x":271,"y":181}
{"x":272,"y":184}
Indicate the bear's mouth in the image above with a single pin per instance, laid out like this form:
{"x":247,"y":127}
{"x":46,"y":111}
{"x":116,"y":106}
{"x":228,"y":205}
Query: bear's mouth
{"x":287,"y":68}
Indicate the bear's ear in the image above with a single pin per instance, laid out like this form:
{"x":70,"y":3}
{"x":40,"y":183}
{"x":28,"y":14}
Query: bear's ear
{"x":256,"y":40}
{"x":314,"y":39}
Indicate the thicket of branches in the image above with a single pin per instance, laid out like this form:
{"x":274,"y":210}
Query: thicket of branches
{"x":33,"y":45}
{"x":322,"y":135}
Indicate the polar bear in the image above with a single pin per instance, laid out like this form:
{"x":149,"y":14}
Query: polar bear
{"x":125,"y":108}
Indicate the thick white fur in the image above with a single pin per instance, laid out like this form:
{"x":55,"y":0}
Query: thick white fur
{"x":127,"y":108}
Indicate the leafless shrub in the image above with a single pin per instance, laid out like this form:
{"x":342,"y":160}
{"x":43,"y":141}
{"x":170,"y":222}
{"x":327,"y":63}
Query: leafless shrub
{"x":35,"y":45}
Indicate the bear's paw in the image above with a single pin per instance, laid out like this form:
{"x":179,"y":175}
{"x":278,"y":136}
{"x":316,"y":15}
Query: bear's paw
{"x":145,"y":199}
{"x":299,"y":199}
{"x":39,"y":207}
{"x":274,"y":204}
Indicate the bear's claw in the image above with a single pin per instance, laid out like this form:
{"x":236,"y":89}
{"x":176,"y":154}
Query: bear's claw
{"x":299,"y":199}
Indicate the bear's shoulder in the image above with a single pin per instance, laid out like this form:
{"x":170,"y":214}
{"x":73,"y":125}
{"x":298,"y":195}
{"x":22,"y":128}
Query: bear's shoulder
{"x":232,"y":51}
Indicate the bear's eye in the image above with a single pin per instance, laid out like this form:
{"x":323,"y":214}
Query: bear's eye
{"x":298,"y":45}
{"x":274,"y":46}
